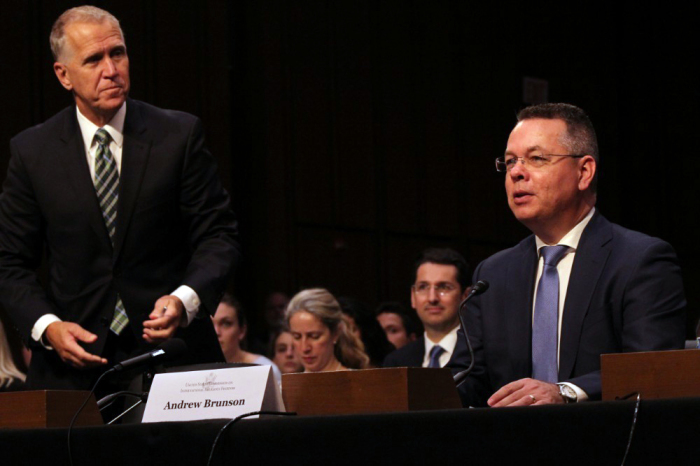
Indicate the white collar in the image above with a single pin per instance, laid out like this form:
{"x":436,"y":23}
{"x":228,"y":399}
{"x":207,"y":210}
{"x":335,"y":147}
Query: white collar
{"x":573,"y":237}
{"x":115,"y":127}
{"x":447,"y":343}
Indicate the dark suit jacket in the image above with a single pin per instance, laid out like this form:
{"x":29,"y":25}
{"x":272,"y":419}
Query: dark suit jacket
{"x":625,"y":294}
{"x":174,"y":226}
{"x":410,"y":355}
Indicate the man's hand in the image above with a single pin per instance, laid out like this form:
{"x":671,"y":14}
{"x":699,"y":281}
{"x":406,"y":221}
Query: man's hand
{"x":526,"y":392}
{"x":65,"y":338}
{"x":163,"y":320}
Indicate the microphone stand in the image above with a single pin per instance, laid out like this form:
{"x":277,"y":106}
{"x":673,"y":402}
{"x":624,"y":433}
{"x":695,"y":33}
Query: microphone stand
{"x":477,"y":289}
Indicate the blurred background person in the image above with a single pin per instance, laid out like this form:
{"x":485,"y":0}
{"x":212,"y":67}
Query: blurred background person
{"x":321,"y":333}
{"x":365,"y":326}
{"x":230,"y":324}
{"x":275,"y":305}
{"x":282,"y":352}
{"x":11,"y":378}
{"x":266,"y":323}
{"x":400,"y":326}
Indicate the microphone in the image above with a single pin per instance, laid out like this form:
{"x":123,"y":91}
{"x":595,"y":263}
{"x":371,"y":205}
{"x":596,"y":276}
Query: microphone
{"x":167,"y":350}
{"x":478,"y":288}
{"x":103,"y":402}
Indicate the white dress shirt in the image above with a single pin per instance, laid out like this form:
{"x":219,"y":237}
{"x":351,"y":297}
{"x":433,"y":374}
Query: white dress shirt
{"x":447,"y":343}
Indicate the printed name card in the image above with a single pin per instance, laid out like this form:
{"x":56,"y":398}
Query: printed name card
{"x":212,"y":394}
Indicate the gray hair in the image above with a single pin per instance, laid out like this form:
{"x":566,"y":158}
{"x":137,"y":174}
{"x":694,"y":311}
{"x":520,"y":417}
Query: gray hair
{"x":80,"y":14}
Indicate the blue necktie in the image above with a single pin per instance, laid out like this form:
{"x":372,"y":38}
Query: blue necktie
{"x":545,"y":325}
{"x":435,"y":353}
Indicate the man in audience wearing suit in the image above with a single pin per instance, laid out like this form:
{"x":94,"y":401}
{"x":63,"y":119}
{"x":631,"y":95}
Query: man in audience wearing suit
{"x":577,"y":288}
{"x":442,"y":279}
{"x":125,"y":200}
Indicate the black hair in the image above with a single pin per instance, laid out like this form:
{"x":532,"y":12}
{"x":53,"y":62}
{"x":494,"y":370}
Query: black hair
{"x":445,"y":256}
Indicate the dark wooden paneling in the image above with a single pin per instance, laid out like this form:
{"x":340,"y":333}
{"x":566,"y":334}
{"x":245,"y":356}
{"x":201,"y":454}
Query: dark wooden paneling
{"x":341,"y":261}
{"x":378,"y":121}
{"x":352,"y":115}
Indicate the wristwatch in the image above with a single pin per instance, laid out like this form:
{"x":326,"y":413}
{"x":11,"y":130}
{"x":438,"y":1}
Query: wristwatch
{"x":568,"y":393}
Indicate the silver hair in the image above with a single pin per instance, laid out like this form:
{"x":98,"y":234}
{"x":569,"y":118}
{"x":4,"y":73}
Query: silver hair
{"x":80,"y":14}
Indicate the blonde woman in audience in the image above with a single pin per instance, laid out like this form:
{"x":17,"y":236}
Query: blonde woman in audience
{"x":11,"y":378}
{"x":321,"y":333}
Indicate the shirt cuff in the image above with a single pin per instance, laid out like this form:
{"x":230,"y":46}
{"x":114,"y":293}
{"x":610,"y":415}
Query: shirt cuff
{"x":580,"y":394}
{"x":190,"y":300}
{"x":40,"y":327}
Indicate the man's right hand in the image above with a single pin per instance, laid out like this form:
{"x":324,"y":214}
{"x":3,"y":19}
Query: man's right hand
{"x":65,"y":338}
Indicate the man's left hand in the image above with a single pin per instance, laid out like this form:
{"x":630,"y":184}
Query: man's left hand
{"x":526,"y":392}
{"x":163,"y":320}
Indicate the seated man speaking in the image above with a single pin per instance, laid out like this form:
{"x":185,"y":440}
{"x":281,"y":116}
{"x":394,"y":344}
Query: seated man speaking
{"x":577,"y":288}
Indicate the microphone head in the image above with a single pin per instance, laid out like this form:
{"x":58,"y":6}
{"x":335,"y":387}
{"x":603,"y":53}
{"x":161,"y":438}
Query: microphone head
{"x":479,"y":287}
{"x":173,"y":348}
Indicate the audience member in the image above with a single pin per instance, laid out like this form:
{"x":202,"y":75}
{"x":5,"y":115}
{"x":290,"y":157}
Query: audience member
{"x":365,"y":326}
{"x":11,"y":378}
{"x":400,"y":326}
{"x":282,"y":352}
{"x":267,"y":322}
{"x":231,"y":326}
{"x":275,"y":305}
{"x":321,"y":335}
{"x":442,"y":278}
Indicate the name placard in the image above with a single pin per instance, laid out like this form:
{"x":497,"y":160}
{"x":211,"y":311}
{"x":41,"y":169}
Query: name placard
{"x":212,"y":394}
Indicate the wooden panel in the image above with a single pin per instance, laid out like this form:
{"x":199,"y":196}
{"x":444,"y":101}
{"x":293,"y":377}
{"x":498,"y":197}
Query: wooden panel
{"x":310,"y":50}
{"x":661,"y":374}
{"x":399,"y":136}
{"x":46,"y":408}
{"x":342,"y":261}
{"x":369,"y":391}
{"x":352,"y":115}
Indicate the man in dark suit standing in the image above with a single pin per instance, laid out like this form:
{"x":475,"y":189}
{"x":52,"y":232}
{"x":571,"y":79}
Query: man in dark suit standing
{"x":578,"y":288}
{"x":442,"y":279}
{"x":125,"y":200}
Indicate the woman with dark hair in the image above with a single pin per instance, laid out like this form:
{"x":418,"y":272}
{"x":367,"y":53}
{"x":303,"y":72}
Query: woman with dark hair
{"x":231,"y":326}
{"x":321,"y":333}
{"x":282,"y":352}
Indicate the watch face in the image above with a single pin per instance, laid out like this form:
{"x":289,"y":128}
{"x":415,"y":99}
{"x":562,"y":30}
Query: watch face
{"x":568,"y":393}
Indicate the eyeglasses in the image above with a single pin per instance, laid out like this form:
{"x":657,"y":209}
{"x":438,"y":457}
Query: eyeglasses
{"x":534,"y":161}
{"x":443,"y":289}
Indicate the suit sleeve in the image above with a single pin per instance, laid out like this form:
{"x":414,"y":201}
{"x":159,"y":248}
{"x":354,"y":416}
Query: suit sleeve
{"x":650,"y":312}
{"x":475,"y":390}
{"x":211,"y":223}
{"x":21,"y":242}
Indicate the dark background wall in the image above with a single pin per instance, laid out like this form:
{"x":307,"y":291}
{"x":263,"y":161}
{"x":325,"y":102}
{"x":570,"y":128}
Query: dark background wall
{"x":354,"y":133}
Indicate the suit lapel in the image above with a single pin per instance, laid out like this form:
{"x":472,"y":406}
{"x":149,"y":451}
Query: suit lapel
{"x":521,"y":277}
{"x":77,"y":171}
{"x":135,"y":153}
{"x":591,"y":255}
{"x":417,"y":353}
